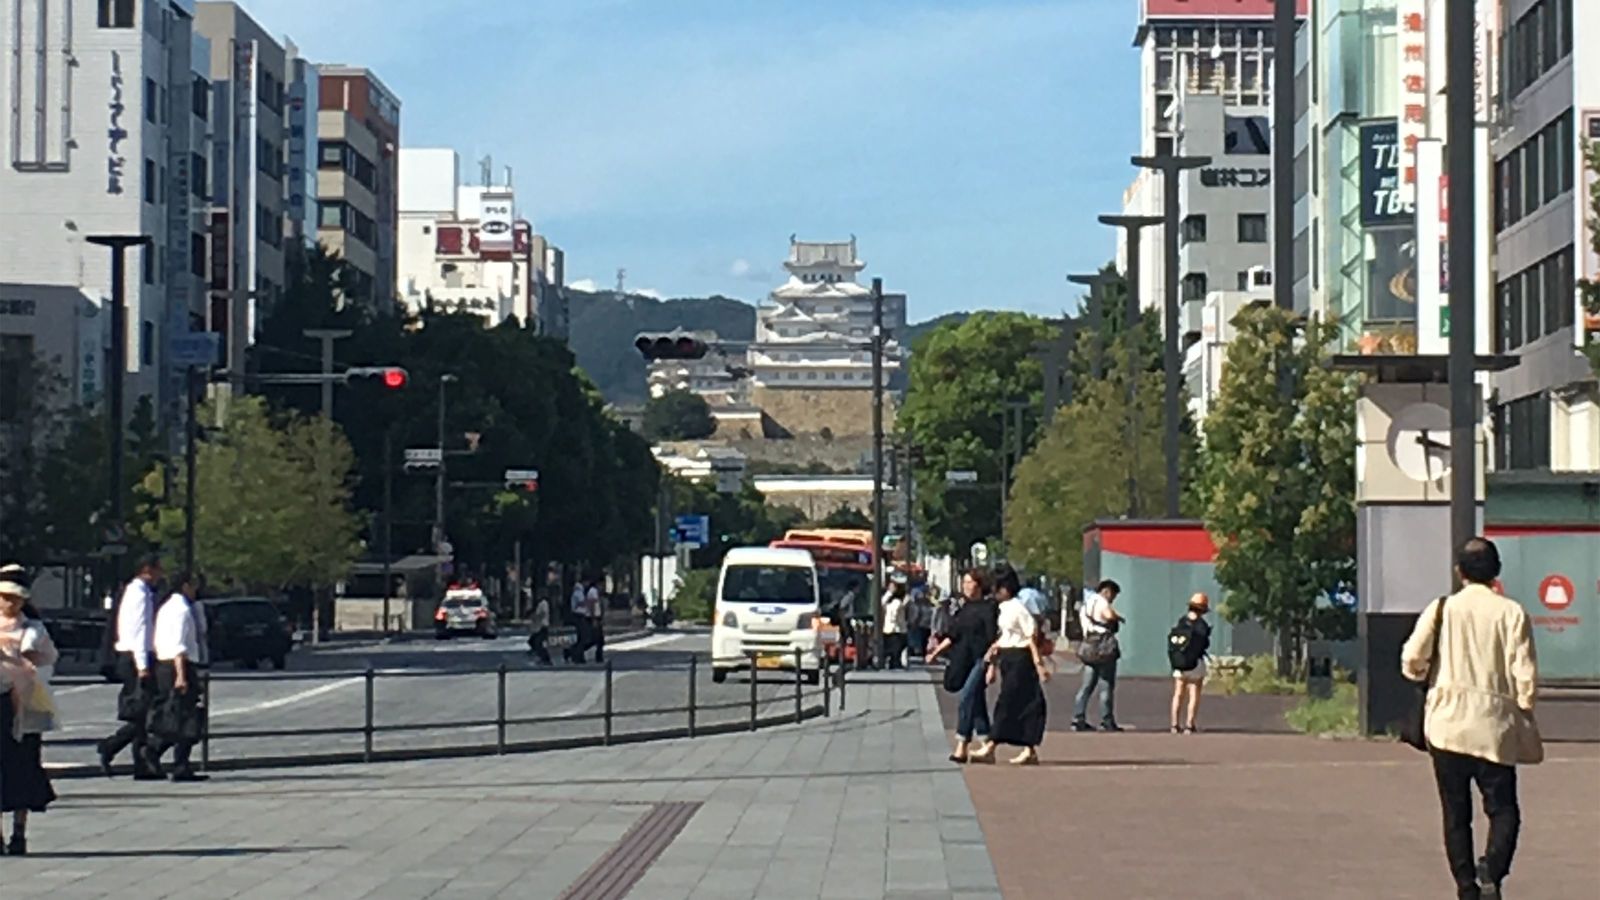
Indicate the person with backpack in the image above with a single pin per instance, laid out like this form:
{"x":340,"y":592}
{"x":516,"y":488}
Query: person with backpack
{"x":1187,"y":644}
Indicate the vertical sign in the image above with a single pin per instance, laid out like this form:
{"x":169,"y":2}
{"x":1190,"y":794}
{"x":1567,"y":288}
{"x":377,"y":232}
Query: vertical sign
{"x":1413,"y":74}
{"x":115,"y":133}
{"x":1430,"y":209}
{"x":1382,"y":202}
{"x":495,"y":231}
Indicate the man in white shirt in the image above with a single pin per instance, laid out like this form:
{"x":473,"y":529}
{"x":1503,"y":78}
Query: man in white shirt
{"x":1099,"y":621}
{"x":175,"y":721}
{"x":578,"y":609}
{"x":134,"y":615}
{"x":594,"y":604}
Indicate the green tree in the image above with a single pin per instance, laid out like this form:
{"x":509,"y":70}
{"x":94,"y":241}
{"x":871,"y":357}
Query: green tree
{"x":678,"y":416}
{"x":1278,"y":482}
{"x":271,"y":499}
{"x":1591,"y":289}
{"x":962,"y":376}
{"x":846,"y":516}
{"x":1080,"y":470}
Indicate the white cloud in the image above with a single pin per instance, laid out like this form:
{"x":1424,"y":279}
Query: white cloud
{"x":652,"y":293}
{"x":587,"y":285}
{"x":740,"y":268}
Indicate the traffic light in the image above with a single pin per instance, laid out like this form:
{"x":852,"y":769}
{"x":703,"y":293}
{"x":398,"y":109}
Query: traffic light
{"x":392,"y":377}
{"x":671,"y":345}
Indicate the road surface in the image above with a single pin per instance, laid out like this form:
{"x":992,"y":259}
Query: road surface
{"x":436,"y":684}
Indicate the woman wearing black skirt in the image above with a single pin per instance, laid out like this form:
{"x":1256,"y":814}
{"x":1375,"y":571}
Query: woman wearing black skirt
{"x":27,"y":657}
{"x":1019,"y":712}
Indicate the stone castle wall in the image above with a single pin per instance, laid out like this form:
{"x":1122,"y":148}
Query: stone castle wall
{"x":844,"y":412}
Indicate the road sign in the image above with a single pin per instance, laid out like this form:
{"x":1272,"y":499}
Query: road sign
{"x":961,"y":476}
{"x":194,"y":348}
{"x":694,"y":530}
{"x":1556,"y":592}
{"x":423,"y":455}
{"x":522,"y":475}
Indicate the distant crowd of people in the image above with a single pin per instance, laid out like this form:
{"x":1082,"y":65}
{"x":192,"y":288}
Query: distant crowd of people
{"x":585,"y":612}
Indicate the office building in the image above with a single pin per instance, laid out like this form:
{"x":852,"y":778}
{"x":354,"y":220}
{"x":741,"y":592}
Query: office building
{"x":358,"y":176}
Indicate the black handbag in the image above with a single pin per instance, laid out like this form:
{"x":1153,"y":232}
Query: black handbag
{"x":1099,"y":649}
{"x":1413,"y":730}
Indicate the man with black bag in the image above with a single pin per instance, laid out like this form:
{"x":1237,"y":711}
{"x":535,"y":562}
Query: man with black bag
{"x":175,"y":718}
{"x":1099,"y":653}
{"x":1474,"y":650}
{"x":132,"y":622}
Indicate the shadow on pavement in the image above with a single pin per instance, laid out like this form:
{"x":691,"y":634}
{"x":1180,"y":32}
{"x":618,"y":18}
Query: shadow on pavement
{"x":179,"y":853}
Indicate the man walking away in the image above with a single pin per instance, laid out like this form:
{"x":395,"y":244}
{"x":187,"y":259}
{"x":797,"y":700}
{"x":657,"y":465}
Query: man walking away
{"x":595,"y":606}
{"x":133,"y":648}
{"x":1100,"y":623}
{"x":539,"y":629}
{"x":175,"y":717}
{"x":1479,"y":713}
{"x":578,"y":610}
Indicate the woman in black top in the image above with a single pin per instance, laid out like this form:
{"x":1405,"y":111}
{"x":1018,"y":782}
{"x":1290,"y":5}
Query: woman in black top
{"x":971,"y":632}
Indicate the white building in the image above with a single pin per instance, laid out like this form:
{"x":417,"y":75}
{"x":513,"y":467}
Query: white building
{"x":105,"y":133}
{"x":462,"y":247}
{"x":817,"y":330}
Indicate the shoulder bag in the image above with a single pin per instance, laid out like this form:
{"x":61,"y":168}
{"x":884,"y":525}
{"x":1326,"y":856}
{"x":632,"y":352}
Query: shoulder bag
{"x":1413,"y":730}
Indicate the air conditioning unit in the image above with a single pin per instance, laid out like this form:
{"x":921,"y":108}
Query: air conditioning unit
{"x":1258,"y":277}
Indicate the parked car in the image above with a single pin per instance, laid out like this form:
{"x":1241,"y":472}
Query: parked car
{"x":464,"y":610}
{"x":247,"y":630}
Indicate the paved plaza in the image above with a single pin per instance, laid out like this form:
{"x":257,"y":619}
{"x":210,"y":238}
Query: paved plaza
{"x":862,"y":805}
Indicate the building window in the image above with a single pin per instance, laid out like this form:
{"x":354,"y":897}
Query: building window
{"x":330,"y":214}
{"x":150,"y":181}
{"x":199,"y":175}
{"x":1194,"y":287}
{"x":330,"y":155}
{"x":147,"y":343}
{"x":200,"y":99}
{"x":1252,"y":228}
{"x":1193,"y":230}
{"x":116,"y":13}
{"x":151,"y":100}
{"x":197,"y":255}
{"x":16,"y":370}
{"x":147,"y":265}
{"x":1522,"y":433}
{"x":448,"y":240}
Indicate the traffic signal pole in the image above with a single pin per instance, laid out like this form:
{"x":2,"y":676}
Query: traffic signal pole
{"x":877,"y":471}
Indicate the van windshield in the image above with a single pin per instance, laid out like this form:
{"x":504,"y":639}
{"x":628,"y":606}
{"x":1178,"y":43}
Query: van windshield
{"x":768,"y":584}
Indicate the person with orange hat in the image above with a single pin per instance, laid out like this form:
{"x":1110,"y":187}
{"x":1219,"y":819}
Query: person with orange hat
{"x":1187,"y":644}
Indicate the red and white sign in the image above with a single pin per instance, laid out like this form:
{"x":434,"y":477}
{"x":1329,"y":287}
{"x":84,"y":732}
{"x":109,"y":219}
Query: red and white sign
{"x":1412,"y":71}
{"x":1556,"y":592}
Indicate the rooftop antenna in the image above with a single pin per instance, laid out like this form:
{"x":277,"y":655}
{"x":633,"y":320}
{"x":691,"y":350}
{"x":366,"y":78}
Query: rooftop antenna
{"x":508,"y":176}
{"x":486,"y":166}
{"x":622,"y":281}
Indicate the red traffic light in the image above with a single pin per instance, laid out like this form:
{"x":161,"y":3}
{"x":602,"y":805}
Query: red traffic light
{"x":394,"y":379}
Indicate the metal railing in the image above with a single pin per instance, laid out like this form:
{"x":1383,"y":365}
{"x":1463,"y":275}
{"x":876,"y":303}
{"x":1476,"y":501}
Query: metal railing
{"x":767,"y":704}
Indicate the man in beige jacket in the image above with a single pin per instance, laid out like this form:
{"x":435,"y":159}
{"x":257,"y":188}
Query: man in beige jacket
{"x":1479,"y":720}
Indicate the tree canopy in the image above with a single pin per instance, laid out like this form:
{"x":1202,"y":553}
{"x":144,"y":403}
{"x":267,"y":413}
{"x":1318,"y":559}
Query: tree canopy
{"x":962,"y":376}
{"x":678,"y":416}
{"x":1079,"y":471}
{"x":1277,"y":481}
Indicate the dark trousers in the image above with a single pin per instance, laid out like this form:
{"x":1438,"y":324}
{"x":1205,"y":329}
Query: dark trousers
{"x":133,"y":708}
{"x":894,"y":649}
{"x":580,"y":640}
{"x":597,"y":639}
{"x":1105,"y":677}
{"x":175,"y":717}
{"x":917,"y":642}
{"x":536,"y":645}
{"x":1455,"y":775}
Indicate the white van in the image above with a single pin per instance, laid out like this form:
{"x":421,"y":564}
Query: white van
{"x":768,"y":604}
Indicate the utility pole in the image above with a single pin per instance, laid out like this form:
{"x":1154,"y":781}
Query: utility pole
{"x":877,"y":471}
{"x":1055,"y":357}
{"x":439,"y":473}
{"x":119,"y":244}
{"x":191,"y":437}
{"x":388,"y":520}
{"x":327,"y":336}
{"x":1460,"y":104}
{"x":1283,"y":53}
{"x":1131,"y":226}
{"x":1171,"y":167}
{"x":1096,"y":282}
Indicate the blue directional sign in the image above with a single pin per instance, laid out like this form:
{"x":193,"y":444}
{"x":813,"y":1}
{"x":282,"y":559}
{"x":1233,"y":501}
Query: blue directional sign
{"x":194,"y":348}
{"x":694,"y":530}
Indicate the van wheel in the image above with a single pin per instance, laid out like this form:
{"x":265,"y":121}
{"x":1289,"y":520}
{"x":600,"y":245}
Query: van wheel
{"x":718,"y":676}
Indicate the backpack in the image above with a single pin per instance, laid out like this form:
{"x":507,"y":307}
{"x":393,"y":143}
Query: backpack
{"x":1184,"y":651}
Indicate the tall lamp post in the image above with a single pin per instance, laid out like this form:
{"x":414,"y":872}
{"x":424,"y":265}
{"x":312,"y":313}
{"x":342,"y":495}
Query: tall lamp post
{"x":1460,"y":105}
{"x":877,"y":471}
{"x":1283,"y":60}
{"x":1096,"y":282}
{"x":1131,"y":228}
{"x":1171,"y":167}
{"x":119,"y":244}
{"x":439,"y":473}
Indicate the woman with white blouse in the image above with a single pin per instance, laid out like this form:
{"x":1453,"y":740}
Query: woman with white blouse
{"x":27,"y":660}
{"x":1019,"y":712}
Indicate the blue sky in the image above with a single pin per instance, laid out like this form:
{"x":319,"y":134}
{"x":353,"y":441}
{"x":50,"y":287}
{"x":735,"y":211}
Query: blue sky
{"x":967,"y":145}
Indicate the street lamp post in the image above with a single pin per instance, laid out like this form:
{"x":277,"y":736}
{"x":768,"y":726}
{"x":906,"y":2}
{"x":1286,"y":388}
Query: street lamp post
{"x":1096,"y":282}
{"x":1283,"y":103}
{"x":439,"y":476}
{"x":1131,"y":227}
{"x":1171,"y":167}
{"x":877,"y":471}
{"x":119,"y":244}
{"x":1461,"y":110}
{"x":327,"y":336}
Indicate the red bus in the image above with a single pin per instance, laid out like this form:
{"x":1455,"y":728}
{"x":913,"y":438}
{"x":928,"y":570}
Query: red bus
{"x":844,"y":558}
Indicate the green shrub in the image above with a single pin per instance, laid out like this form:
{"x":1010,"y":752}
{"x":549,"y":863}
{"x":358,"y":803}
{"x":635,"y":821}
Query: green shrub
{"x":1338,"y":715}
{"x":1257,"y":675}
{"x":696,"y":596}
